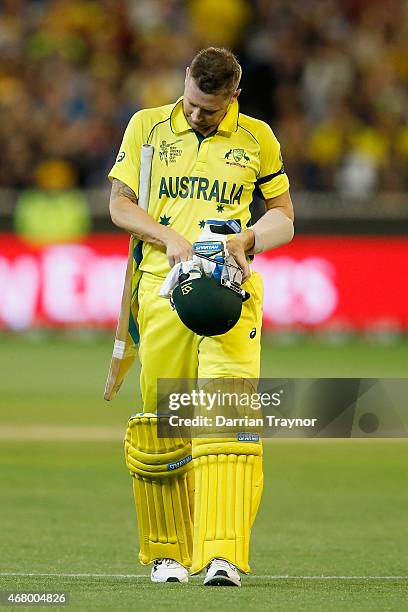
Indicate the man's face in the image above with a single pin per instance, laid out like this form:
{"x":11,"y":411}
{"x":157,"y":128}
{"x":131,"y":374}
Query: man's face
{"x":204,"y":112}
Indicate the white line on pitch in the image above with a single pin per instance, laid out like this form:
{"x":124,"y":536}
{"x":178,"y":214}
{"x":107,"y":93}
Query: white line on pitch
{"x":262,"y":577}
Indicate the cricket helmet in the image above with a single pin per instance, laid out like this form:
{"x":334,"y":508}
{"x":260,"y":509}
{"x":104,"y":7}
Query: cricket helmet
{"x":206,"y":305}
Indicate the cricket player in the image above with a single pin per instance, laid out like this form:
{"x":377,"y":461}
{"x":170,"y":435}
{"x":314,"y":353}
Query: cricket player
{"x":196,"y":500}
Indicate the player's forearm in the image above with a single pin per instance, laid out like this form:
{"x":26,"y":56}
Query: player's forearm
{"x":272,"y":230}
{"x":127,"y":215}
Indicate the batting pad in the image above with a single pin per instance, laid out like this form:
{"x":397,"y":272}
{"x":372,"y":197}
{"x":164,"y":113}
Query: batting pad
{"x":163,"y":486}
{"x":228,"y":489}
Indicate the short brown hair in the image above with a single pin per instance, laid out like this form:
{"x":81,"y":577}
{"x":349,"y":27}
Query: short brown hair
{"x":216,"y":70}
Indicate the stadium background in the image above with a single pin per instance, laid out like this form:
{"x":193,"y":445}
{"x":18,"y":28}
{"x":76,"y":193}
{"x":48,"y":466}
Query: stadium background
{"x":331,"y":79}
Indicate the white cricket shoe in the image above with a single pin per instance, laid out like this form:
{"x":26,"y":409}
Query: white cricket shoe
{"x":222,"y":573}
{"x":168,"y":570}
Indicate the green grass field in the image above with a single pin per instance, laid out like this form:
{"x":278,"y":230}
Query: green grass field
{"x":331,"y":534}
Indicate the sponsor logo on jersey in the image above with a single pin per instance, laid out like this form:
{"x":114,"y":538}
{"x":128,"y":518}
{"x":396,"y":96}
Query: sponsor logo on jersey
{"x":120,"y":157}
{"x":169,"y":152}
{"x":200,"y":188}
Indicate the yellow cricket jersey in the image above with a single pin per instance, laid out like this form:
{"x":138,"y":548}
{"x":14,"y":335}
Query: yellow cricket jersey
{"x":195,"y":178}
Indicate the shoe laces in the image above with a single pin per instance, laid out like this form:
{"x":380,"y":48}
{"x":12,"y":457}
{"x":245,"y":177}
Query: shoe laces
{"x":166,"y":562}
{"x":223,"y":564}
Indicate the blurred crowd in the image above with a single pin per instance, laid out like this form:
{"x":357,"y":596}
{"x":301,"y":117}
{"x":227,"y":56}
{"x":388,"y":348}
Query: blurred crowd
{"x":329,"y":76}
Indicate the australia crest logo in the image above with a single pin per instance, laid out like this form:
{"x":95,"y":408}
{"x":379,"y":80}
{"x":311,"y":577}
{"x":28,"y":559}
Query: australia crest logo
{"x":237,"y":157}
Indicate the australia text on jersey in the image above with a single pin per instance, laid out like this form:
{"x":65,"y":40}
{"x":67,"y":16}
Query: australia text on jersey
{"x":199,"y":187}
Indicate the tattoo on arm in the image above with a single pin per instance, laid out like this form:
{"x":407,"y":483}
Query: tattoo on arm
{"x":121,"y":189}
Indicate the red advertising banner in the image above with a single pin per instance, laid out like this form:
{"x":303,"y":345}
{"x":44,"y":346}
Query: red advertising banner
{"x":312,"y":282}
{"x":358,"y":281}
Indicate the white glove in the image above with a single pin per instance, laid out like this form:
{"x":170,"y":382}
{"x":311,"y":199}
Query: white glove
{"x":184,"y":267}
{"x":197,"y":262}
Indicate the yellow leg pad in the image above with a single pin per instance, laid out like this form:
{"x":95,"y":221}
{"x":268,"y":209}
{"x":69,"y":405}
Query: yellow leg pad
{"x":228,"y":489}
{"x":163,"y":487}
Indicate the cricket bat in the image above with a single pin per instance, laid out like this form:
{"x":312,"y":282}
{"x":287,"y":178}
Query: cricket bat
{"x":124,"y":349}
